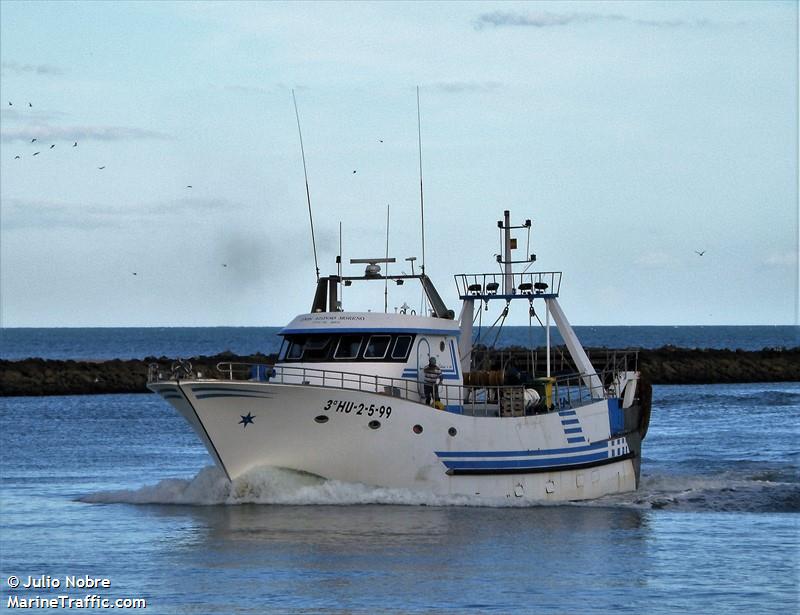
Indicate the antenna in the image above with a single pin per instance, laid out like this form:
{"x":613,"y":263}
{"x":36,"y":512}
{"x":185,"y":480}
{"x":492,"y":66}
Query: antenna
{"x":386,"y":283}
{"x":421,"y":200}
{"x":308,"y":194}
{"x":339,"y":261}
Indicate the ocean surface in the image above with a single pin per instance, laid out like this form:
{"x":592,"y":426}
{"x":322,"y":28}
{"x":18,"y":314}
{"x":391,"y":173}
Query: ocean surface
{"x":118,"y":486}
{"x":140,"y":342}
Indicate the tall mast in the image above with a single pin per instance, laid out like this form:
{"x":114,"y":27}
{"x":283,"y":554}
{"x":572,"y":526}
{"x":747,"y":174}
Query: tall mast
{"x":421,"y":200}
{"x":508,"y":277}
{"x":308,"y":194}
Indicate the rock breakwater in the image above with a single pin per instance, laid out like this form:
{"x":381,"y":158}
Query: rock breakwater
{"x":667,"y":365}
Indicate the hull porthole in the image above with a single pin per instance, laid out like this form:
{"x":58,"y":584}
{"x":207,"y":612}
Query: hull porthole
{"x":321,"y":419}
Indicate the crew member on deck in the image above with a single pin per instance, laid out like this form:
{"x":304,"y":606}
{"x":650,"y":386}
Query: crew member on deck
{"x":433,"y":375}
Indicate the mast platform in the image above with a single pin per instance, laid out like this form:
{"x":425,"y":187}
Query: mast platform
{"x":489,"y":286}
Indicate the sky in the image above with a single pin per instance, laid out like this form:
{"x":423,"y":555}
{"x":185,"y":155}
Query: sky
{"x":633,"y":134}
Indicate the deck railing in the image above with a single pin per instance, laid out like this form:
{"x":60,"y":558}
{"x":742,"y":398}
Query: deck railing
{"x":566,"y":390}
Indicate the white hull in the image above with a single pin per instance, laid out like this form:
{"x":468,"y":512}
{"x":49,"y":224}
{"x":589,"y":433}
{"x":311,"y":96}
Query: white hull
{"x":558,"y":456}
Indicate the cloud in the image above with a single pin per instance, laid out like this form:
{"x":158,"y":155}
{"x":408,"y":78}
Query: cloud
{"x":187,"y":205}
{"x":248,"y":89}
{"x":673,"y":23}
{"x":80,"y":133}
{"x":38,"y":69}
{"x":23,"y":213}
{"x":500,"y":19}
{"x":654,"y":259}
{"x":782,"y":259}
{"x":24,"y":114}
{"x":452,"y":87}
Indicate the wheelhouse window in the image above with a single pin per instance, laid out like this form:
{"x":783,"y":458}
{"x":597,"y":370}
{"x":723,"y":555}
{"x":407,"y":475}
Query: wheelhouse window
{"x":317,"y":348}
{"x":349,"y":347}
{"x":377,"y":346}
{"x":324,"y":347}
{"x":284,"y":349}
{"x":401,"y":347}
{"x":295,"y":351}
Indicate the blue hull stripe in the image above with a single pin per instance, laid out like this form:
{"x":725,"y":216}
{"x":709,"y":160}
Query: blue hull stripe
{"x":212,"y":395}
{"x":525,"y":463}
{"x":218,"y":389}
{"x":596,"y":446}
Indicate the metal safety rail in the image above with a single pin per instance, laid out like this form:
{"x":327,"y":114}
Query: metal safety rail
{"x":568,"y":391}
{"x":530,"y":285}
{"x":534,"y":360}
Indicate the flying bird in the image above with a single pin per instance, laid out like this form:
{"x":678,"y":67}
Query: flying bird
{"x":10,"y":104}
{"x":699,"y":253}
{"x":224,"y":264}
{"x":354,"y":172}
{"x":30,"y":105}
{"x":36,"y":153}
{"x":134,"y":273}
{"x":75,"y":144}
{"x":52,"y":146}
{"x":188,"y":186}
{"x":33,"y":140}
{"x":101,"y":168}
{"x":16,"y":157}
{"x":380,"y":140}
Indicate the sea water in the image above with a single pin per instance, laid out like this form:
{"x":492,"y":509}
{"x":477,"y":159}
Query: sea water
{"x":118,"y":487}
{"x":141,"y":342}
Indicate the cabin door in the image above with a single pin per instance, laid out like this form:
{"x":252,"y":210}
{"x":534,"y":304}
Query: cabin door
{"x":423,"y":356}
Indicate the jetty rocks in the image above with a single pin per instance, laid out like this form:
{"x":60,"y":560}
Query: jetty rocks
{"x":666,"y":365}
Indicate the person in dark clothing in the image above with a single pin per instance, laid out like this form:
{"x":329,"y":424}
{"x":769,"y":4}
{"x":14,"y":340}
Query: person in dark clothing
{"x":433,"y":376}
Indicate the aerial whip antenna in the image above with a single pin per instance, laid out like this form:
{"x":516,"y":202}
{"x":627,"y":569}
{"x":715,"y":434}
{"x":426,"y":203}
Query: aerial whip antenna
{"x":421,"y":200}
{"x":339,"y":261}
{"x":308,"y":194}
{"x":386,"y":273}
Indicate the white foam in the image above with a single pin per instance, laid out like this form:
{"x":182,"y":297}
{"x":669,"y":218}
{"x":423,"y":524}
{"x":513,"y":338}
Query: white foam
{"x":274,"y":486}
{"x":269,"y":485}
{"x":720,"y":492}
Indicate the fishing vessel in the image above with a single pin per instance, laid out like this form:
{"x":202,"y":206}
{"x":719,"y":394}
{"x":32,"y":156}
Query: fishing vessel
{"x":416,"y":401}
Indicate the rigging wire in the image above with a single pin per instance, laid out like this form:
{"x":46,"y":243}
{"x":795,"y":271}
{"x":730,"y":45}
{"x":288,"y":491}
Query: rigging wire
{"x":308,"y":194}
{"x":503,"y":315}
{"x":531,"y":313}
